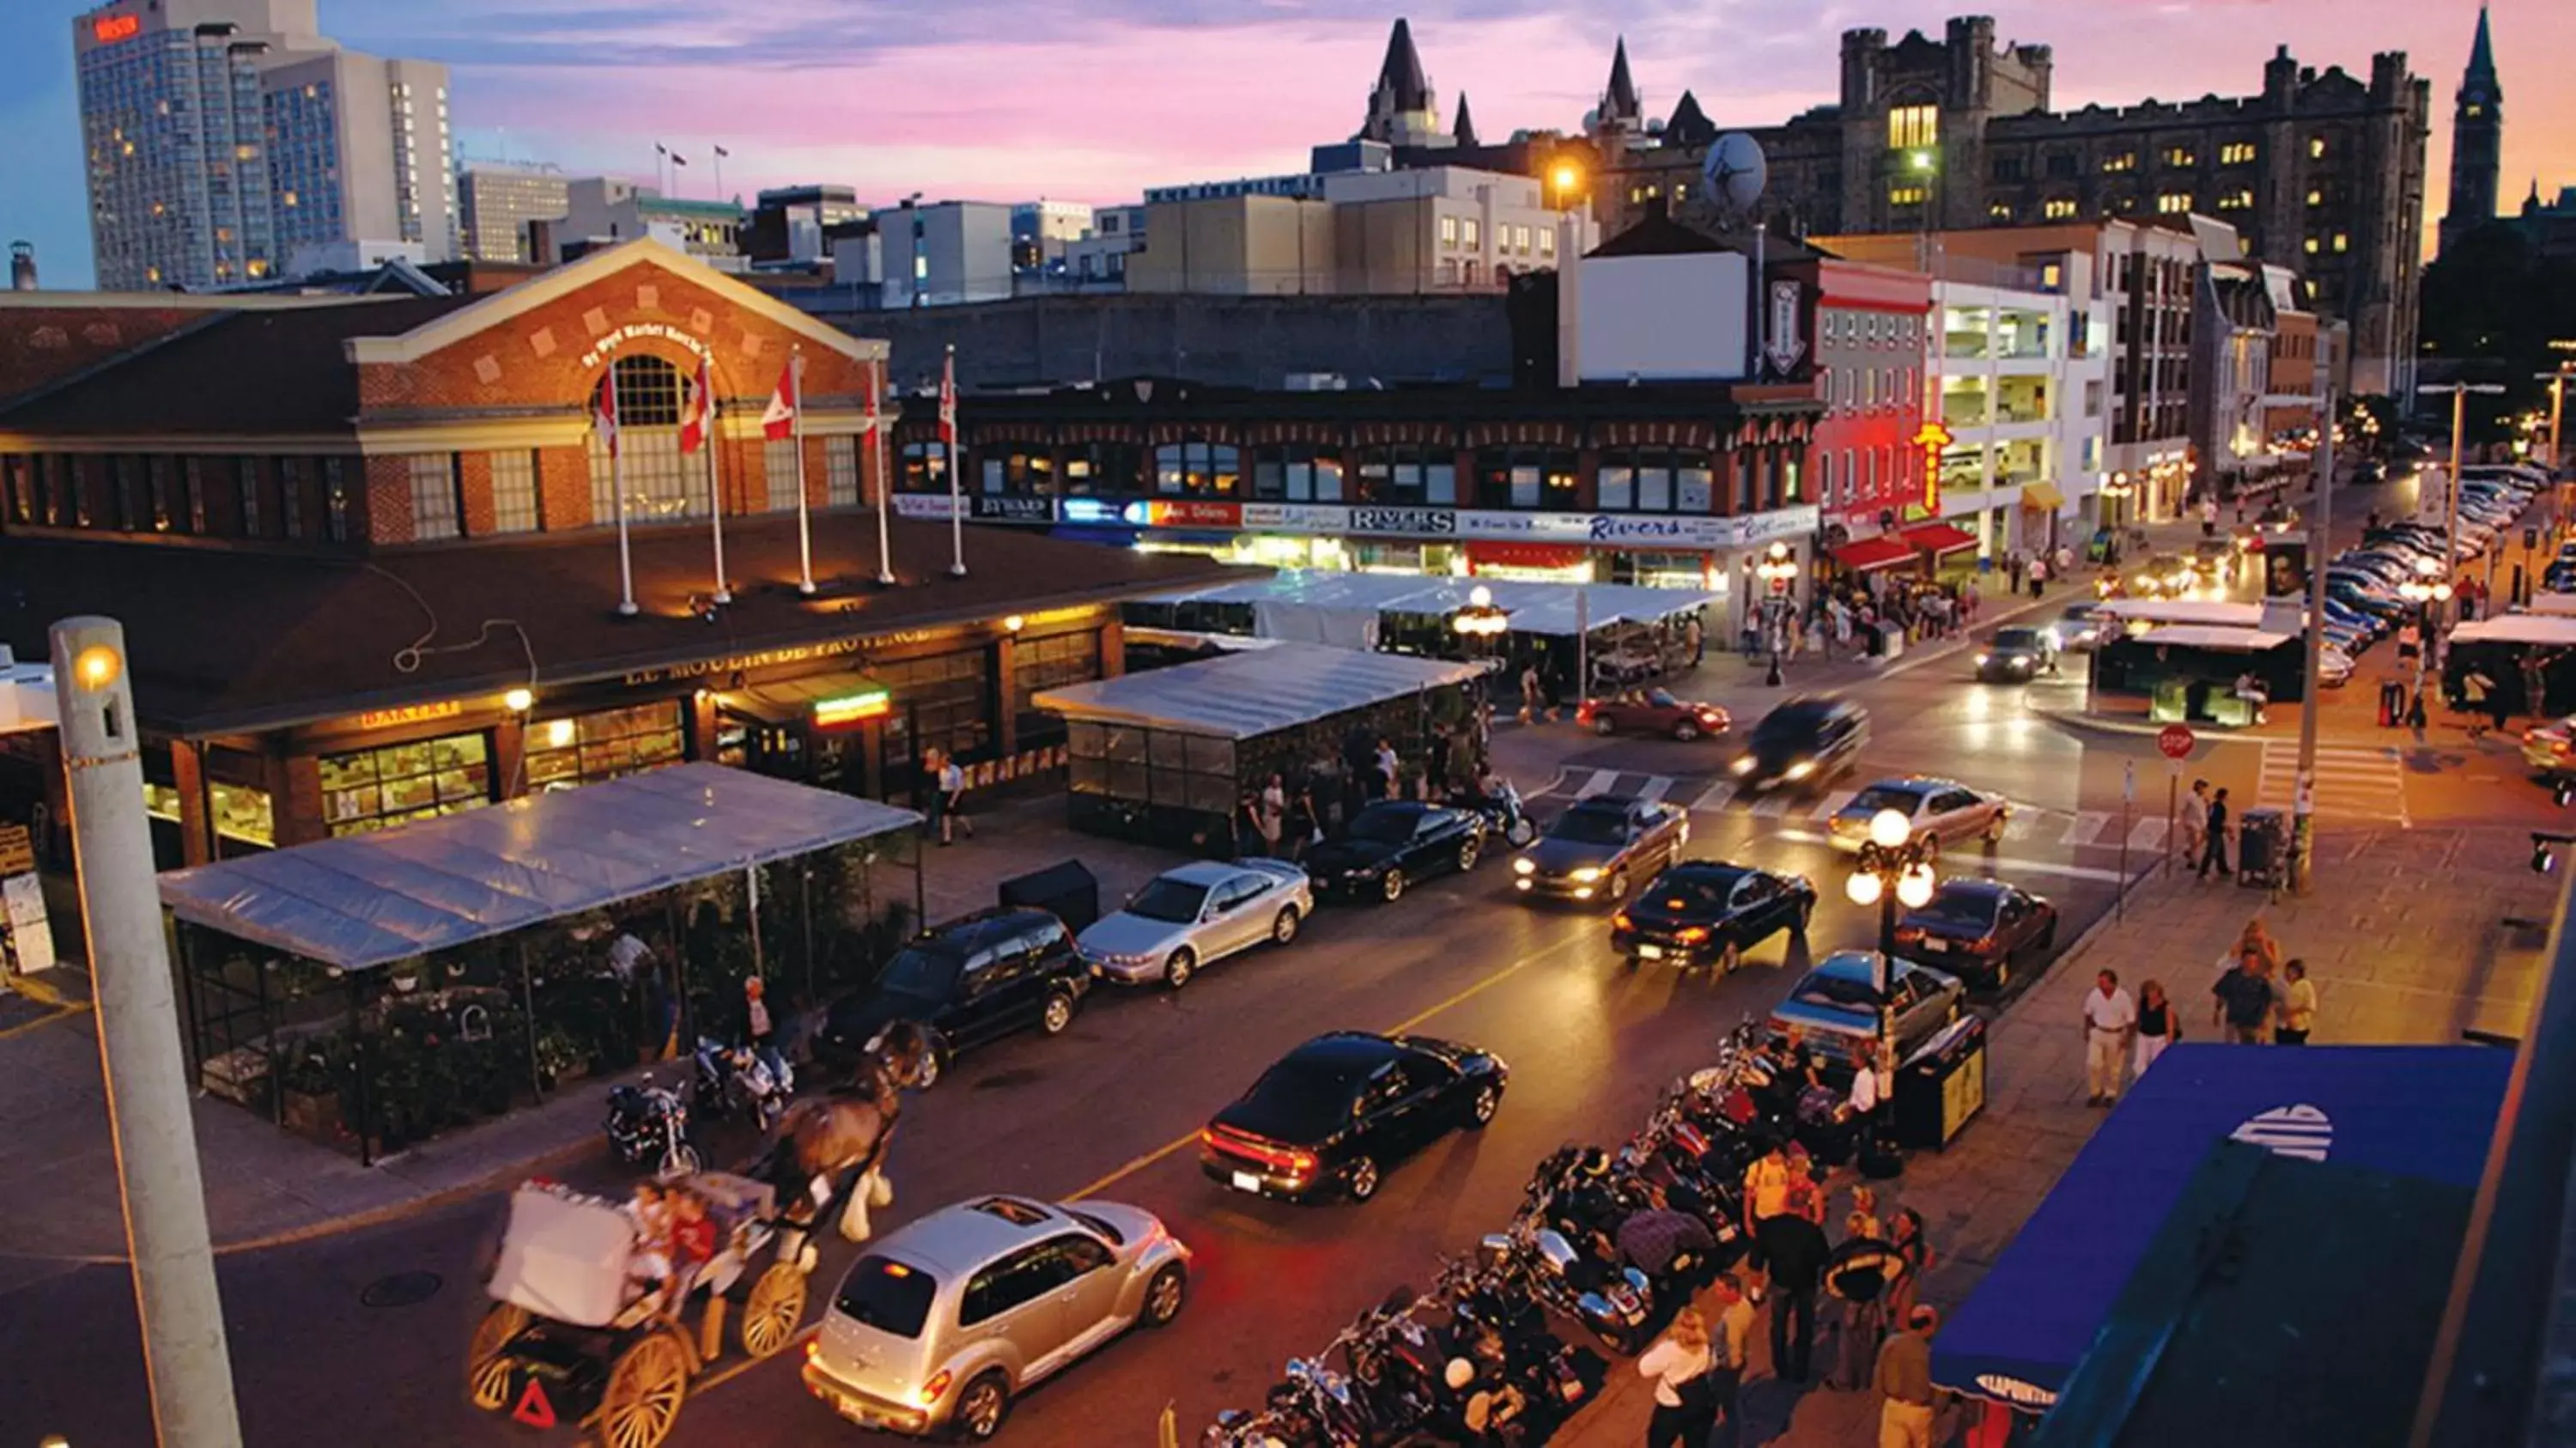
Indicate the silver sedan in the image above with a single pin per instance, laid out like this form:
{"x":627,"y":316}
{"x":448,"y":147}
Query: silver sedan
{"x":1200,"y":913}
{"x":1943,"y":809}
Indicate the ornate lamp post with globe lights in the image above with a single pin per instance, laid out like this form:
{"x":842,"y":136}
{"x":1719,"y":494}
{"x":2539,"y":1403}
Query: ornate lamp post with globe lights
{"x":1480,"y":622}
{"x":1776,"y":570}
{"x":1895,"y":867}
{"x":2424,"y":590}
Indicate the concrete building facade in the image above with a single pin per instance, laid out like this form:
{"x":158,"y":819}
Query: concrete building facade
{"x":496,"y":202}
{"x":606,"y":210}
{"x":1434,"y":230}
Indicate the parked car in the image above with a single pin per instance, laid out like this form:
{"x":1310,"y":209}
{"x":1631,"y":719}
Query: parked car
{"x":2334,"y":666}
{"x":2082,"y":626}
{"x":1709,"y":912}
{"x":973,"y":980}
{"x":1195,"y":916}
{"x":1980,"y":930}
{"x":1334,"y":1114}
{"x":1392,"y":843}
{"x":1653,"y":711}
{"x":942,"y":1323}
{"x":2550,"y":750}
{"x":1598,"y":847}
{"x":1944,"y":809}
{"x":1804,"y":743}
{"x":1840,"y":1003}
{"x":2015,"y":654}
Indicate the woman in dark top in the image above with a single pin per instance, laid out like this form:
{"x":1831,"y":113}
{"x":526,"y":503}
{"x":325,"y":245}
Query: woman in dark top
{"x":2159,"y":1024}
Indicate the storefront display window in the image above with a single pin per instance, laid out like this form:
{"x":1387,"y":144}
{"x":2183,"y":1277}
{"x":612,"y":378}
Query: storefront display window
{"x":925,"y":467}
{"x":243,"y":816}
{"x":373,"y":788}
{"x":1049,"y":663}
{"x":1197,"y":468}
{"x":588,"y":748}
{"x":1022,"y":472}
{"x":939,"y":703}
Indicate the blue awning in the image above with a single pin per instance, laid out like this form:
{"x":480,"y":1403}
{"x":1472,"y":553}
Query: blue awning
{"x":2414,"y":1111}
{"x":1109,"y":533}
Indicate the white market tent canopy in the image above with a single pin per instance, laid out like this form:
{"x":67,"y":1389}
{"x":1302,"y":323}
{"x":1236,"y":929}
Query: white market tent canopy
{"x":2562,"y":605}
{"x":369,"y":900}
{"x":2555,"y":630}
{"x":1318,"y":606}
{"x":2216,"y":613}
{"x":1247,"y":695}
{"x":2203,"y":636}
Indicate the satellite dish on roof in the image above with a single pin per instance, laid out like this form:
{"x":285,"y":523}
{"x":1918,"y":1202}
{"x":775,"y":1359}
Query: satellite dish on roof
{"x":1735,"y":171}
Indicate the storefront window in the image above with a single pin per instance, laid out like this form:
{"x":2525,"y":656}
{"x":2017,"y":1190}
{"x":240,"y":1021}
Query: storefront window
{"x":1102,"y":468}
{"x":373,"y":788}
{"x":242,"y":816}
{"x":1297,"y":473}
{"x":588,"y":748}
{"x":1196,"y":468}
{"x":1654,"y":480}
{"x":925,"y":467}
{"x":939,"y":703}
{"x":1020,"y":471}
{"x":1049,"y":663}
{"x":1526,"y":478}
{"x":1413,"y":474}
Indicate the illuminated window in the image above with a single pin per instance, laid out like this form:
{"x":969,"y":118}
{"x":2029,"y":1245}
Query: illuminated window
{"x":1999,"y":211}
{"x":2316,"y":197}
{"x":1913,"y":128}
{"x":2474,"y":111}
{"x":2173,"y":203}
{"x":2121,"y":161}
{"x":2342,"y":242}
{"x":2237,"y":200}
{"x":1468,"y":234}
{"x":1448,"y":231}
{"x":1905,"y":196}
{"x":2236,"y":153}
{"x":2181,"y":156}
{"x":2316,"y":148}
{"x":434,"y":509}
{"x":2058,"y":208}
{"x":2311,"y":246}
{"x":515,"y":507}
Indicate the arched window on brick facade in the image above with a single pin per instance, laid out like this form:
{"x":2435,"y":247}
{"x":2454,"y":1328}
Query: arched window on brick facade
{"x":662,"y":483}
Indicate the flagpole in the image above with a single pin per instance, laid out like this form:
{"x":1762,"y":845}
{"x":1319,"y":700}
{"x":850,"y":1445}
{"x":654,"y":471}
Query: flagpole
{"x":796,"y":422}
{"x":715,"y":486}
{"x":617,"y":486}
{"x":885,"y":483}
{"x":948,"y":451}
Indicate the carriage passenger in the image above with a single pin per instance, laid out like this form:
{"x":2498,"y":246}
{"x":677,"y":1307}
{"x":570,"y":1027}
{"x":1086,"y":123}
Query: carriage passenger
{"x":650,"y":1266}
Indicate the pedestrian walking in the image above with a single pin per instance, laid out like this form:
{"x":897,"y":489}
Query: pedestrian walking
{"x":2195,"y":822}
{"x":1905,"y":1229}
{"x":1695,"y":639}
{"x":2256,"y":937}
{"x":2038,"y":577}
{"x":2295,"y":1012}
{"x":933,"y":799}
{"x":2244,"y":999}
{"x":1766,"y":1201}
{"x":1387,"y":767}
{"x":1303,"y":827}
{"x":1864,"y":1109}
{"x":1679,"y":1366}
{"x":2110,"y":1023}
{"x":952,"y":799}
{"x":1730,"y":1342}
{"x":1532,"y":701}
{"x":1797,"y":1251}
{"x":2214,"y":846}
{"x":756,"y":1027}
{"x":1273,"y":815}
{"x":2012,"y":569}
{"x":1904,"y":1383}
{"x":2159,"y":1026}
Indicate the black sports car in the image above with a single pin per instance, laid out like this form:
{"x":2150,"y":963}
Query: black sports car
{"x":1389,"y":845}
{"x":1336,"y":1112}
{"x":1703,"y":912}
{"x":1979,"y":930}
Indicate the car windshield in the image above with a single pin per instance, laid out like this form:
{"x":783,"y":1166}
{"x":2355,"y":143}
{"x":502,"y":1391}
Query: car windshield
{"x":1839,"y":992}
{"x":1590,"y":827}
{"x":2017,"y":638}
{"x":1114,"y":1237}
{"x":1301,"y":1101}
{"x":1169,"y":899}
{"x":1871,"y":801}
{"x":890,"y":1296}
{"x":1383,"y":826}
{"x":1693,"y":890}
{"x":1789,"y":727}
{"x":928,"y":970}
{"x":1962,"y":907}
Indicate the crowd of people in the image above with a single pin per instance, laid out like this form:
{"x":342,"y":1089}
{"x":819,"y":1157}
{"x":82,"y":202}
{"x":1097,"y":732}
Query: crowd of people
{"x":2258,"y":999}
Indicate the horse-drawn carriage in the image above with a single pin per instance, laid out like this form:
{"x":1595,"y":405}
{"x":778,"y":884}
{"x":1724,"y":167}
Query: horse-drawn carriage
{"x":575,"y":1335}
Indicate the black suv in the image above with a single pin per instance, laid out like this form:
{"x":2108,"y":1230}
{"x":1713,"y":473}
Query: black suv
{"x":1801,"y":745}
{"x":971,"y":980}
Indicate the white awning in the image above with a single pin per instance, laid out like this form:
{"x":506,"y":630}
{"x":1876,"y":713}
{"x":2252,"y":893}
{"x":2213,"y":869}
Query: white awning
{"x":2215,"y":612}
{"x":372,"y":899}
{"x":2555,"y":630}
{"x":1535,"y":608}
{"x":2201,"y":636}
{"x":1246,"y":695}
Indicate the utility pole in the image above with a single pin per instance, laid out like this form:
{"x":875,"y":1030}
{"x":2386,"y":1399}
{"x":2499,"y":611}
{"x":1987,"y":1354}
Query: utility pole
{"x":2459,"y":392}
{"x":2303,"y":808}
{"x":184,"y":1356}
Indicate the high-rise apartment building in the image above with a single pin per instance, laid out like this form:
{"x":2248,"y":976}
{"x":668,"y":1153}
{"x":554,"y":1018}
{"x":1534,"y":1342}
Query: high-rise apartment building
{"x":497,"y":201}
{"x":221,"y":134}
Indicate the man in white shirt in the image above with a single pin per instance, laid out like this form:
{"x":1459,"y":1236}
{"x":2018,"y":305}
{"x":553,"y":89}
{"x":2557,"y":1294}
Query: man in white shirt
{"x":2110,"y":1023}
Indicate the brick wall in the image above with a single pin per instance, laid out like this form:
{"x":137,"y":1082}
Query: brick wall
{"x":474,"y":484}
{"x":563,"y":483}
{"x":388,"y":498}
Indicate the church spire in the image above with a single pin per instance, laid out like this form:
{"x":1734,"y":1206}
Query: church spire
{"x":1464,"y":133}
{"x":1399,"y":76}
{"x":2482,"y":62}
{"x":2477,"y":141}
{"x":1619,"y":104}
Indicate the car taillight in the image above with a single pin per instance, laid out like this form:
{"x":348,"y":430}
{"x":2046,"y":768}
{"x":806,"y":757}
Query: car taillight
{"x":937,"y":1385}
{"x":1909,"y":933}
{"x":1692,"y":934}
{"x":813,"y":1348}
{"x":1621,"y":921}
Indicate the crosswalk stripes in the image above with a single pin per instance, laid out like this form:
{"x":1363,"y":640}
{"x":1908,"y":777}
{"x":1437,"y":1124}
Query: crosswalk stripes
{"x":2085,"y":828}
{"x":1713,"y":798}
{"x":1601,"y":782}
{"x":2147,"y":834}
{"x":2352,"y":779}
{"x":1832,"y":804}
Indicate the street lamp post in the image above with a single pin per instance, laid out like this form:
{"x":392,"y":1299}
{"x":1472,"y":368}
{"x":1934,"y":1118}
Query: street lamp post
{"x":1894,"y":868}
{"x":2303,"y":800}
{"x":2557,"y":380}
{"x":2114,"y":493}
{"x":1480,"y":622}
{"x":2427,"y":588}
{"x":1775,"y":570}
{"x":2459,"y":392}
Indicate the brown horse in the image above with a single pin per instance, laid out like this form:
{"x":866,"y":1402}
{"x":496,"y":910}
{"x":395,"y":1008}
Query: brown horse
{"x":837,"y":1144}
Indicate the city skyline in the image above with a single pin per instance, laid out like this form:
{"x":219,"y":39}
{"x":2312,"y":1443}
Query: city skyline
{"x":987,"y":104}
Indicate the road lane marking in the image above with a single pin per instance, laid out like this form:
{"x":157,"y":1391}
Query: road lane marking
{"x":1833,"y":803}
{"x":1657,"y":786}
{"x":1772,"y":807}
{"x":1714,"y":798}
{"x":62,"y":1013}
{"x":2147,"y":834}
{"x":2085,"y":828}
{"x":1601,"y":782}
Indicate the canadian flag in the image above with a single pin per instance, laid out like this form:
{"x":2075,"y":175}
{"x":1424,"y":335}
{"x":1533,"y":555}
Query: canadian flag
{"x":701,"y":421}
{"x":948,"y":400}
{"x":605,"y":420}
{"x":778,"y":420}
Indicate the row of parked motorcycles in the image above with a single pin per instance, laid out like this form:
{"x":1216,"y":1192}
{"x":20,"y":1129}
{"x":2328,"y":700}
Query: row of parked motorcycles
{"x":1476,"y":1361}
{"x":648,"y":1123}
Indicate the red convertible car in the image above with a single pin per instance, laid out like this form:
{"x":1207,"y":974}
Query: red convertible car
{"x":1655,"y":711}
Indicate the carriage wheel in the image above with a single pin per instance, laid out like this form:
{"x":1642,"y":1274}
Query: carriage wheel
{"x":776,"y":1306}
{"x":644,"y":1392}
{"x":487,"y":1373}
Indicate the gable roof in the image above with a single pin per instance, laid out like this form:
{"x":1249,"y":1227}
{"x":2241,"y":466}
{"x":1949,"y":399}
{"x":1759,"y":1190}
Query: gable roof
{"x":1690,"y":126}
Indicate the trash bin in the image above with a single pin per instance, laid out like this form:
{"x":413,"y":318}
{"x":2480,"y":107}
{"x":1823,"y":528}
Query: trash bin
{"x":1067,"y":888}
{"x":1941,"y":1086}
{"x":2262,"y":848}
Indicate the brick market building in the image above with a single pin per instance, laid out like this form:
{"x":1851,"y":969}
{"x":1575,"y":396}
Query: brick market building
{"x":365,"y":550}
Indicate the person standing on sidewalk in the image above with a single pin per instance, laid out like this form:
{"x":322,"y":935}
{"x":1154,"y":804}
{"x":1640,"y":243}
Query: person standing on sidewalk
{"x":2214,"y":843}
{"x":1905,"y":1233}
{"x":952,"y":799}
{"x":1797,"y":1251}
{"x":1731,"y":1343}
{"x":2038,"y":577}
{"x":1766,"y":1201}
{"x":1695,"y":639}
{"x":1274,"y":815}
{"x":1533,"y":701}
{"x":2296,"y":1010}
{"x":2245,"y":1002}
{"x":2159,"y":1025}
{"x":1679,"y":1366}
{"x":2110,"y":1022}
{"x":2195,"y":822}
{"x":1904,"y":1382}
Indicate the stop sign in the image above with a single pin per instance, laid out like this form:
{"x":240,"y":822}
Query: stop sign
{"x":2175,"y":740}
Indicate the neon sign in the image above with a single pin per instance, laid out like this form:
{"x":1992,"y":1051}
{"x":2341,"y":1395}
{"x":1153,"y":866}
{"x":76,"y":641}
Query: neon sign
{"x":108,"y":29}
{"x":1932,"y":437}
{"x":844,"y":710}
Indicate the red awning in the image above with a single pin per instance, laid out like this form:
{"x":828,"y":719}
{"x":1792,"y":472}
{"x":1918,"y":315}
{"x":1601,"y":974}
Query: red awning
{"x":1939,"y":538}
{"x":1871,"y":554}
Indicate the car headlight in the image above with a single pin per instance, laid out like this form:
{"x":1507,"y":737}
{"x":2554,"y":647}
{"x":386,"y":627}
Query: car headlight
{"x":1524,"y":866}
{"x":1743,"y":764}
{"x":1802,"y":769}
{"x":1587,"y":874}
{"x":1983,"y":660}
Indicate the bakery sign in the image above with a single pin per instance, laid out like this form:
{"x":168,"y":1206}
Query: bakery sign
{"x":610,"y":341}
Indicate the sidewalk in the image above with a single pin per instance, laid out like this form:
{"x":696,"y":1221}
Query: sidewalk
{"x":2406,"y":943}
{"x":264,"y":1185}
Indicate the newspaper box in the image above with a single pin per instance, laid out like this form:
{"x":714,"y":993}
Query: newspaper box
{"x":1941,"y":1085}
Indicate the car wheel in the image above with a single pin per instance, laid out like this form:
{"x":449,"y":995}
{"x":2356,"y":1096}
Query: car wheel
{"x":1686,"y":731}
{"x":1057,"y":1015}
{"x":1176,"y":973}
{"x":983,"y":1406}
{"x":1392,"y":887}
{"x":1604,"y":728}
{"x":1730,"y":958}
{"x":1165,"y":1294}
{"x":1360,"y":1179}
{"x":2003,"y":970}
{"x":1489,"y":1098}
{"x":1618,"y":886}
{"x":1469,"y":851}
{"x":1284,"y":928}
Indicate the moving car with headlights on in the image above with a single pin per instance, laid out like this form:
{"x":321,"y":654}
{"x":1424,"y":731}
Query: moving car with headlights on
{"x":2163,"y":576}
{"x":2082,"y":627}
{"x":1654,"y":711}
{"x":1980,"y":930}
{"x":941,"y":1324}
{"x":1708,"y":912}
{"x":1598,"y":847}
{"x":1334,"y":1114}
{"x":1803,"y":744}
{"x":1841,"y":1003}
{"x":2014,"y":655}
{"x":1392,"y":843}
{"x":1943,"y":809}
{"x":1195,"y":916}
{"x":973,"y":980}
